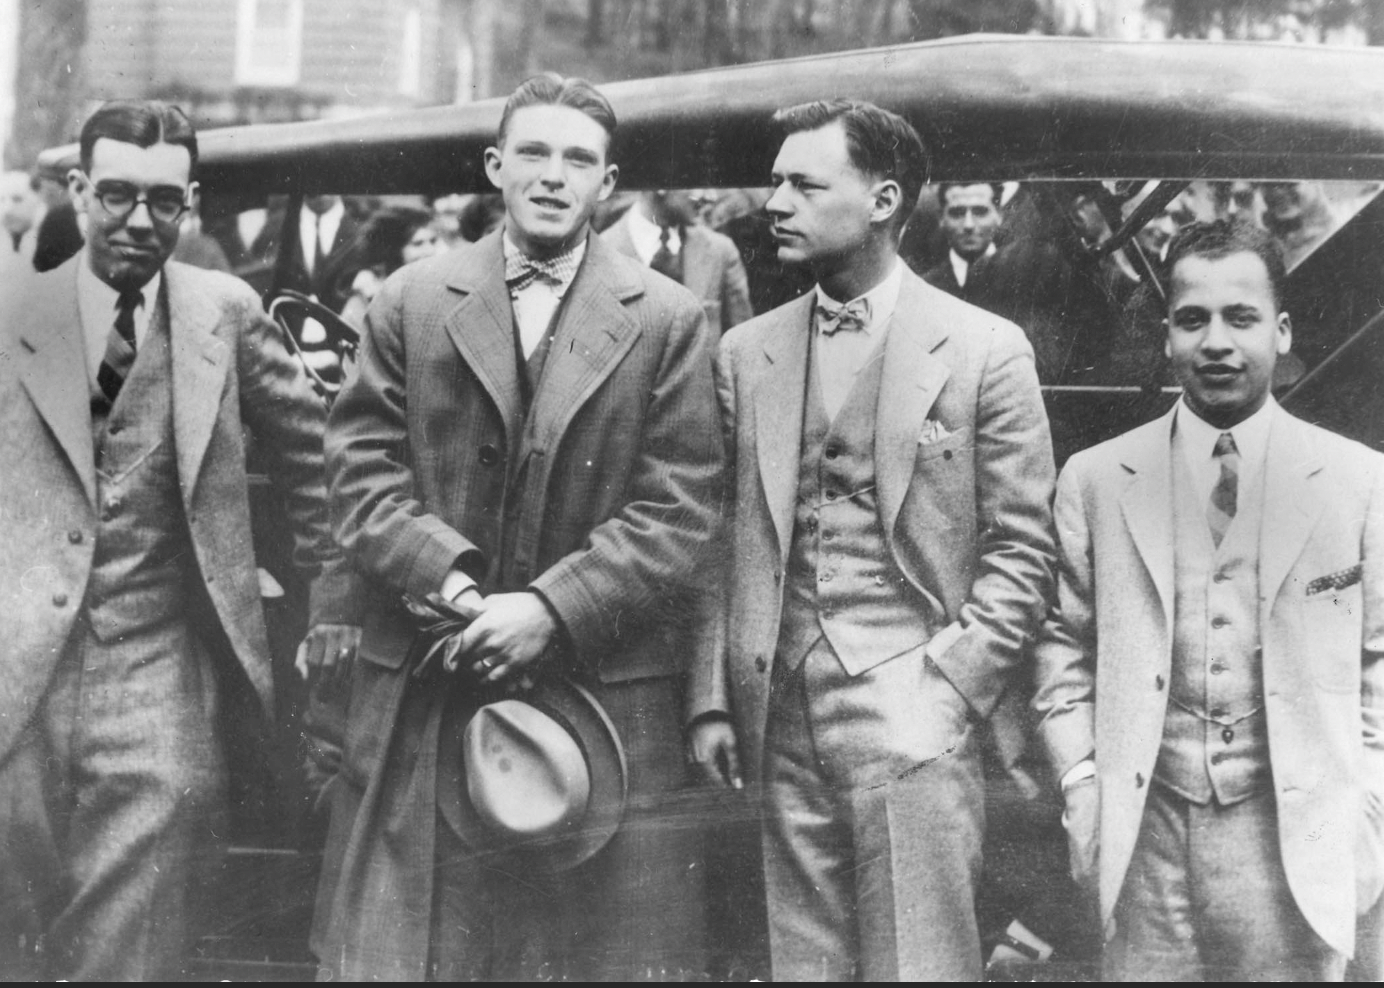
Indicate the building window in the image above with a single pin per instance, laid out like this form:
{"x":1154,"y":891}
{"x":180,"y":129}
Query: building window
{"x":269,"y":42}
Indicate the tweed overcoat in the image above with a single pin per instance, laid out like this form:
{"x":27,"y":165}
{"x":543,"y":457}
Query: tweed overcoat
{"x":618,"y":488}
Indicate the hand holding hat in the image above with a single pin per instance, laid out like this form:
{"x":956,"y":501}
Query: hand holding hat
{"x":442,"y":621}
{"x":502,"y":639}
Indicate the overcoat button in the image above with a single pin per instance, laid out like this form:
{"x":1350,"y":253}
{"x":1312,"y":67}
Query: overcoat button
{"x":1138,"y":780}
{"x":489,"y":455}
{"x":75,"y":537}
{"x":759,"y":663}
{"x":59,"y":600}
{"x":1158,"y":682}
{"x":946,"y":454}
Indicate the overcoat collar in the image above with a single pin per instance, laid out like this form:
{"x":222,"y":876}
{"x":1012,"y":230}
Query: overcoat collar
{"x":1291,"y":509}
{"x":912,"y":379}
{"x":56,"y":372}
{"x":596,"y":328}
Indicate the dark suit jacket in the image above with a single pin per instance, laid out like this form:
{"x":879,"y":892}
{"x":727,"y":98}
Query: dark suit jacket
{"x":230,"y":371}
{"x":711,"y":270}
{"x":966,"y":516}
{"x":619,"y":483}
{"x":331,"y":282}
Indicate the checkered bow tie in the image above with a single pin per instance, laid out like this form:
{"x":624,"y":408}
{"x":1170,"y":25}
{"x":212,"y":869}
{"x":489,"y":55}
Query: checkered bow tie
{"x":852,"y":317}
{"x":521,"y":271}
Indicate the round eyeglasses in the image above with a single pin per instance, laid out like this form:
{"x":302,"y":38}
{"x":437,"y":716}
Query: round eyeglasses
{"x":165,"y":204}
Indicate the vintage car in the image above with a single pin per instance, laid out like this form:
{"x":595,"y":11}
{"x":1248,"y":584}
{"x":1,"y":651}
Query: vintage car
{"x":1101,"y":143}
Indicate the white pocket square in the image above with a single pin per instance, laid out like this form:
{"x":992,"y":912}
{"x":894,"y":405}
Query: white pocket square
{"x":932,"y":432}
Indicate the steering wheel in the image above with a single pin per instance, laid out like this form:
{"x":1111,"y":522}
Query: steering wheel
{"x":342,"y":337}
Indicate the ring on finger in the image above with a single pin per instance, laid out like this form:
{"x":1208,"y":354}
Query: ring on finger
{"x":487,"y":663}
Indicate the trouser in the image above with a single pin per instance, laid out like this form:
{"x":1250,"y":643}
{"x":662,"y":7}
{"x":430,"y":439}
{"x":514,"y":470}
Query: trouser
{"x":107,"y":805}
{"x":633,"y":912}
{"x":1206,"y":899}
{"x":873,"y":825}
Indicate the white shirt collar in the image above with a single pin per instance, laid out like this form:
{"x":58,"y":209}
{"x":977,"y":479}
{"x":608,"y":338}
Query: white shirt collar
{"x":323,"y":227}
{"x":646,"y":235}
{"x":883,"y":299}
{"x":96,"y":309}
{"x":962,"y":267}
{"x":1251,"y":436}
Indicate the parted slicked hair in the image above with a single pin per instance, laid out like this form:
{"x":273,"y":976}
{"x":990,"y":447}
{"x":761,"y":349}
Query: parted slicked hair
{"x":879,"y":142}
{"x":551,"y":89}
{"x":1220,"y":238}
{"x":143,"y":123}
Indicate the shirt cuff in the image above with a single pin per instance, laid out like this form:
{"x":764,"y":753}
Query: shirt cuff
{"x":455,"y":583}
{"x":1079,"y":772}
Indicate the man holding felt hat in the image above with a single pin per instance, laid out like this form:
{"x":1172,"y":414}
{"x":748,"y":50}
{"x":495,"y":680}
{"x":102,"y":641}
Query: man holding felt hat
{"x":527,"y":471}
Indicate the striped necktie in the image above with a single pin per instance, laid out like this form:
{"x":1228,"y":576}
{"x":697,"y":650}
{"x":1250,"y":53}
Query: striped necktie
{"x":1224,"y":495}
{"x":120,"y":345}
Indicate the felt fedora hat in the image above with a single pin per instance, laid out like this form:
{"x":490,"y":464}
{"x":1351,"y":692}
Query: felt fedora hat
{"x":539,"y":777}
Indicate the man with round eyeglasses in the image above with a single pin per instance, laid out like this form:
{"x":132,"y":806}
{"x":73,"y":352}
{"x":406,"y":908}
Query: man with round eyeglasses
{"x":126,"y":567}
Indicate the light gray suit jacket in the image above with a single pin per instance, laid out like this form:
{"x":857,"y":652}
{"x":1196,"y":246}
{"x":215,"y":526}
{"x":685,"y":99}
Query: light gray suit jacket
{"x":230,"y":371}
{"x":1106,"y":651}
{"x":966,"y":517}
{"x":711,"y":270}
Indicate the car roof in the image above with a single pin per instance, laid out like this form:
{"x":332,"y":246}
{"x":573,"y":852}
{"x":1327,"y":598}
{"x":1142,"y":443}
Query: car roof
{"x":988,"y":107}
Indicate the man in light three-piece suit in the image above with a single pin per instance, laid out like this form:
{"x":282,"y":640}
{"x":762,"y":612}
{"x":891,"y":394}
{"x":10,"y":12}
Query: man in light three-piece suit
{"x":129,"y":585}
{"x":1211,"y":681}
{"x":889,"y":557}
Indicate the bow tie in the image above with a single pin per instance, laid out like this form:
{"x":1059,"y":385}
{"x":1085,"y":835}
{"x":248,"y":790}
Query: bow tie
{"x":852,"y":317}
{"x":521,"y":271}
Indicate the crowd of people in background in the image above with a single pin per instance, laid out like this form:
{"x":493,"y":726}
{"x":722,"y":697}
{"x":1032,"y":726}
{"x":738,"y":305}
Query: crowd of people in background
{"x":1031,"y":252}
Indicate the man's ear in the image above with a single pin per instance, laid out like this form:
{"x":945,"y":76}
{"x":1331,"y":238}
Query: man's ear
{"x":1285,"y":333}
{"x":77,"y":185}
{"x":608,"y":180}
{"x":1167,"y":343}
{"x":888,"y":201}
{"x":492,"y":165}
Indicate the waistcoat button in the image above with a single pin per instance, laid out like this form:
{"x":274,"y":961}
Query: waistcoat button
{"x":59,"y":600}
{"x":489,"y":455}
{"x":75,"y":537}
{"x":759,"y":663}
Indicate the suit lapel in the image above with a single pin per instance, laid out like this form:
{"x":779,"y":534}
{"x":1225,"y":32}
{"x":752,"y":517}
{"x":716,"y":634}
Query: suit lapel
{"x":482,"y":328}
{"x":1291,"y":507}
{"x":595,"y":331}
{"x":55,"y":370}
{"x":912,"y":380}
{"x":200,"y":362}
{"x":1147,"y":504}
{"x":778,"y":411}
